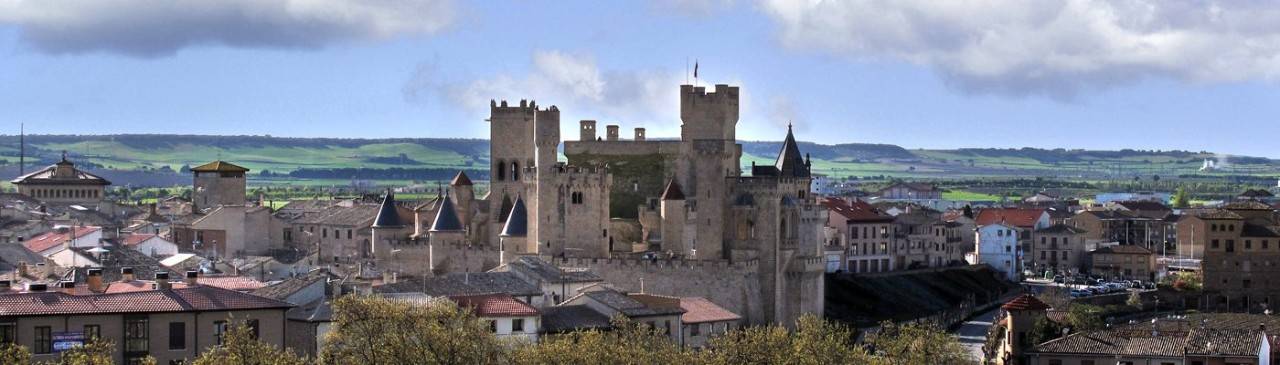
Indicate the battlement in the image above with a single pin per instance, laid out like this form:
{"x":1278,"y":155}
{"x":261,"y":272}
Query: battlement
{"x":604,"y":263}
{"x":526,"y":107}
{"x":723,"y":92}
{"x":561,"y":168}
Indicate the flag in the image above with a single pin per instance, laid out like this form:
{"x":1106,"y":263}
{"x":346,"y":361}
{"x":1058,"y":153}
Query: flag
{"x":695,"y":69}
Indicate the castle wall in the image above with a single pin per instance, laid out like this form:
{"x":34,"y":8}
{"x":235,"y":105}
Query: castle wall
{"x":571,"y":212}
{"x":733,"y":286}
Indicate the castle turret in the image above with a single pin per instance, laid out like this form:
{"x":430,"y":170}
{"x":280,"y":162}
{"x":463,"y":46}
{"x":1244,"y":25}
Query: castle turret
{"x":611,"y":132}
{"x":674,"y":220}
{"x":515,"y":232}
{"x":445,"y":230}
{"x":1023,"y":313}
{"x":790,"y":163}
{"x":463,"y":191}
{"x":587,"y":130}
{"x":639,"y":134}
{"x":710,"y":155}
{"x":387,"y":227}
{"x":217,"y":183}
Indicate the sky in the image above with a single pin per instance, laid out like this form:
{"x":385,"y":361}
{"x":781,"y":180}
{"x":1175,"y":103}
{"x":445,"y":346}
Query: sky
{"x":1140,"y":74}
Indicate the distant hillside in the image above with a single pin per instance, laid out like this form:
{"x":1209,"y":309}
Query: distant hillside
{"x":438,"y":158}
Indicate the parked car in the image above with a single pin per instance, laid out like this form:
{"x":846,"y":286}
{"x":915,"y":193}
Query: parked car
{"x":1079,"y":293}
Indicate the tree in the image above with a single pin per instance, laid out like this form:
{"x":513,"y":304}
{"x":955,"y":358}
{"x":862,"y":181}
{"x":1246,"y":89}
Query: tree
{"x":1135,"y":300}
{"x":1180,"y":198}
{"x":239,"y":347}
{"x":374,"y":330}
{"x":98,"y":352}
{"x":915,"y":343}
{"x":815,"y":341}
{"x":1043,"y":330}
{"x":14,"y":354}
{"x":629,"y":342}
{"x":1084,"y":317}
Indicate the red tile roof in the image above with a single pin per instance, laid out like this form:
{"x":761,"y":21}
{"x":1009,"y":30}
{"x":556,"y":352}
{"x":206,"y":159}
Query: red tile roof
{"x":53,"y":239}
{"x":1025,"y":302}
{"x":495,"y":305}
{"x":857,"y":211}
{"x":136,"y":238}
{"x":200,"y":298}
{"x":1017,"y":217}
{"x":701,"y":310}
{"x":237,"y":283}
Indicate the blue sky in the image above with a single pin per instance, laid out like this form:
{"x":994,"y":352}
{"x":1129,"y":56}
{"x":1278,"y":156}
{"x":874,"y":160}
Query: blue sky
{"x":920,"y":74}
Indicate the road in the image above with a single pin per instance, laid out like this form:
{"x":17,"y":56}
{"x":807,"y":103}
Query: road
{"x":973,"y":333}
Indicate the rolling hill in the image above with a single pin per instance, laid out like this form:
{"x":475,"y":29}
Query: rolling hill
{"x":435,"y":158}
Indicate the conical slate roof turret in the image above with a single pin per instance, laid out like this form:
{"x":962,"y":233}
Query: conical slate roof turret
{"x":388,"y":217}
{"x":446,"y":217}
{"x":790,"y":162}
{"x":672,"y":192}
{"x":518,"y":222}
{"x":461,"y":179}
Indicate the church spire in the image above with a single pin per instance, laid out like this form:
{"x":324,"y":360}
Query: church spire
{"x":790,"y":162}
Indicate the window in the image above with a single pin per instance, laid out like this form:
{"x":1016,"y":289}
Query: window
{"x":1214,"y":243}
{"x":695,"y":330}
{"x":1231,"y":245}
{"x":517,"y":325}
{"x":253,"y":328}
{"x":493,"y":326}
{"x":44,"y":340}
{"x":92,"y":331}
{"x":348,"y":234}
{"x":219,"y":331}
{"x":177,"y":335}
{"x":324,"y":233}
{"x":8,"y":332}
{"x":1086,"y":362}
{"x":502,"y":171}
{"x":1042,"y":255}
{"x":136,"y":336}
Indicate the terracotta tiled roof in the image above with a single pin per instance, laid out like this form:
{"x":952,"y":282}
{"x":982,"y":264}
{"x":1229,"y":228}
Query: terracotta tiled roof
{"x":1025,"y":302}
{"x":1247,"y":205}
{"x":1061,"y":229}
{"x":1017,"y":217}
{"x":199,"y":298}
{"x":1111,"y":343}
{"x":856,"y":211}
{"x":237,"y":283}
{"x":495,"y":305}
{"x":52,"y":239}
{"x":219,"y":166}
{"x":1224,"y":342}
{"x":701,"y":310}
{"x":136,"y":238}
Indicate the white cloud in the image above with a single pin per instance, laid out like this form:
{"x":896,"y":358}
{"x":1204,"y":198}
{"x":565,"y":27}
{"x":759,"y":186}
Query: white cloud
{"x":1052,"y":47}
{"x":146,"y":28}
{"x":576,"y":85}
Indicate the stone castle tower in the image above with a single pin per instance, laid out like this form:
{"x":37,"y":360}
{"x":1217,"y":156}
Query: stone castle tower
{"x":218,"y":183}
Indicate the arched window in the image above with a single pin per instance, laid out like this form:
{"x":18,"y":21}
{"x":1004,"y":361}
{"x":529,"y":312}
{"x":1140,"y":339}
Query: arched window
{"x":515,"y":171}
{"x":502,"y":171}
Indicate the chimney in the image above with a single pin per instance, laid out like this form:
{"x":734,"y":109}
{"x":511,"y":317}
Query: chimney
{"x":5,"y":285}
{"x":191,"y":277}
{"x":126,"y":274}
{"x":37,"y":288}
{"x":95,"y":280}
{"x":67,"y":286}
{"x":162,"y":280}
{"x":639,"y":134}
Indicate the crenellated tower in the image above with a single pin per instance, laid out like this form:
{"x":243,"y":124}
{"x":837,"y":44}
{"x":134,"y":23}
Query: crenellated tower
{"x":710,"y":155}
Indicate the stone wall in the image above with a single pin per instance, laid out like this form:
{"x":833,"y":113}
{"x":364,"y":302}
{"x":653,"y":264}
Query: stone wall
{"x":636,"y":177}
{"x":734,"y":286}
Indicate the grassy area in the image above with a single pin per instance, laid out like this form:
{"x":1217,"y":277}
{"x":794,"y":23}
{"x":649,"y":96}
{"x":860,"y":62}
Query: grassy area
{"x":274,"y":158}
{"x":962,"y":195}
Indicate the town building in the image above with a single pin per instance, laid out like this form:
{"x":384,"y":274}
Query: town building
{"x":1238,"y":248}
{"x":997,"y":246}
{"x":858,"y":236}
{"x":218,"y":183}
{"x":1125,"y":262}
{"x":63,"y":183}
{"x":909,"y":191}
{"x":1058,"y":249}
{"x":508,"y":318}
{"x":169,"y":321}
{"x":703,"y":320}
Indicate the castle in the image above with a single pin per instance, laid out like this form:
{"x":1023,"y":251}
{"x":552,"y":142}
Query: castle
{"x":673,"y":217}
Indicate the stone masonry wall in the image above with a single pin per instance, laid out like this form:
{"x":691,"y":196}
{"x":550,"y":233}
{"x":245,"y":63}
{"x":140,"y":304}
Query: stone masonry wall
{"x":734,"y":286}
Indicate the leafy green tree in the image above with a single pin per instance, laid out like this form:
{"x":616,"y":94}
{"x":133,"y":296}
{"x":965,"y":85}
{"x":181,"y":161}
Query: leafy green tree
{"x":1044,"y":330}
{"x":92,"y":353}
{"x":915,"y":343}
{"x":1135,"y":300}
{"x":14,"y":354}
{"x":628,"y":343}
{"x":239,"y":347}
{"x":374,"y":330}
{"x":1180,"y":198}
{"x":1084,"y":317}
